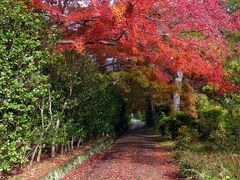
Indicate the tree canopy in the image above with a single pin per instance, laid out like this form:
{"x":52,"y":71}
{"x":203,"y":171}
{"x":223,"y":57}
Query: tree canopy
{"x":169,"y":35}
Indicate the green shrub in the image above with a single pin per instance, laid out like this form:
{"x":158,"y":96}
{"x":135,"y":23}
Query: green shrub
{"x":211,"y":116}
{"x":170,"y":124}
{"x":186,"y":137}
{"x":224,"y":140}
{"x":22,"y":83}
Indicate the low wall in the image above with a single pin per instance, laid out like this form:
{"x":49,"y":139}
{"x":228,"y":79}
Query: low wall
{"x":70,"y":165}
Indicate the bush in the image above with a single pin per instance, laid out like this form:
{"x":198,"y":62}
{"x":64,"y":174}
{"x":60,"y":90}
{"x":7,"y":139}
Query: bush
{"x":186,"y":137}
{"x":22,"y":83}
{"x":170,"y":124}
{"x":225,"y":141}
{"x":211,"y":116}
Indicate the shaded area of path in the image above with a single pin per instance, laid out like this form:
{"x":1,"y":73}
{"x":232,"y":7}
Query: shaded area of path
{"x":135,"y":156}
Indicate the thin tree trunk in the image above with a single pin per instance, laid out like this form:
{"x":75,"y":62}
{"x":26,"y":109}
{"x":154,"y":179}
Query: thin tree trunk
{"x":42,"y":133}
{"x":62,"y":149}
{"x":69,"y":147}
{"x":41,"y":139}
{"x":72,"y":141}
{"x":66,"y":148}
{"x":34,"y":154}
{"x":39,"y":153}
{"x":79,"y":141}
{"x":53,"y":149}
{"x":153,"y":111}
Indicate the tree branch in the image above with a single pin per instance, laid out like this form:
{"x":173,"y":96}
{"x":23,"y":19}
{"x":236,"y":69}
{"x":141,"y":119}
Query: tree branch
{"x":106,"y":42}
{"x":65,"y":41}
{"x":111,"y":42}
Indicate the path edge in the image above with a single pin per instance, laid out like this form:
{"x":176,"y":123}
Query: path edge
{"x":62,"y":170}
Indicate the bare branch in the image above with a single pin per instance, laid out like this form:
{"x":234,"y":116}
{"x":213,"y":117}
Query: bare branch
{"x":111,"y":42}
{"x":65,"y":41}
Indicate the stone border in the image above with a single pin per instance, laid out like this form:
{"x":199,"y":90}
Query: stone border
{"x":62,"y":170}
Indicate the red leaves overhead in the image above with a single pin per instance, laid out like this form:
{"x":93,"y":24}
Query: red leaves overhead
{"x":176,"y":34}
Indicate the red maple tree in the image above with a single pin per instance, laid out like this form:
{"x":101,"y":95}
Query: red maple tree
{"x":174,"y":35}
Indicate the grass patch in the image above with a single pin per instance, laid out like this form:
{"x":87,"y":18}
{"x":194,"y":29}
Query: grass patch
{"x":201,"y":162}
{"x":168,"y":144}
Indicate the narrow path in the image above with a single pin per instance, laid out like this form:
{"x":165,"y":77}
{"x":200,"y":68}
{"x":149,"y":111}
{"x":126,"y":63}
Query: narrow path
{"x":135,"y":156}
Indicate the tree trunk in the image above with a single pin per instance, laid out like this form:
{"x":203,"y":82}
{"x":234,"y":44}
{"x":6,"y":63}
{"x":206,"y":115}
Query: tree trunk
{"x":34,"y":154}
{"x":53,"y":150}
{"x":153,"y":112}
{"x":79,"y":141}
{"x":72,"y":141}
{"x":176,"y":95}
{"x":65,"y":148}
{"x":39,"y":153}
{"x":62,"y":149}
{"x":69,"y":146}
{"x":150,"y":116}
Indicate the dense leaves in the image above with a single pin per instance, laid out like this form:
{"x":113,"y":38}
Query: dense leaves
{"x":171,"y":35}
{"x":22,"y":83}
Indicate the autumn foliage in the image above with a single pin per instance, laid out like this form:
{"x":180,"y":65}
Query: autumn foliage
{"x":170,"y":35}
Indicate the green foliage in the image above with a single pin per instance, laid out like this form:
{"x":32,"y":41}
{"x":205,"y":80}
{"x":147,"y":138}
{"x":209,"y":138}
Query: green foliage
{"x":234,"y":5}
{"x":169,"y":125}
{"x":205,"y":165}
{"x":186,"y":136}
{"x":211,"y":116}
{"x":232,"y":68}
{"x":82,"y":104}
{"x":210,"y":148}
{"x":21,"y":81}
{"x":217,"y":123}
{"x":224,"y":140}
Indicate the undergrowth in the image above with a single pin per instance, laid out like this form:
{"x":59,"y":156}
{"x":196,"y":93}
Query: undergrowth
{"x":200,"y":162}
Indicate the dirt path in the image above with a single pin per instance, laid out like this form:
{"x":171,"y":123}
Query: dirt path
{"x":135,"y":156}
